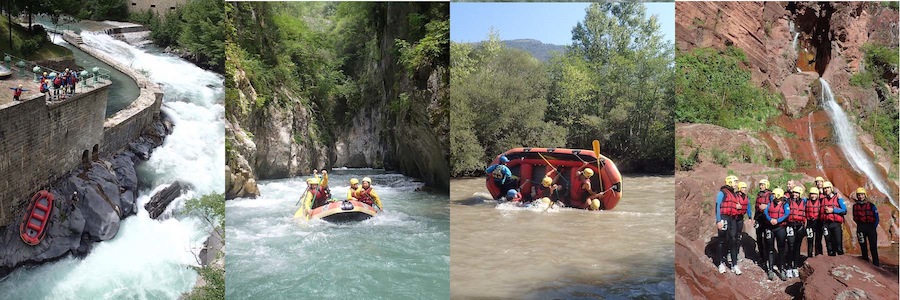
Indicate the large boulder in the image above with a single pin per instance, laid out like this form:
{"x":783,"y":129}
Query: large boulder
{"x":846,"y":277}
{"x":161,"y":200}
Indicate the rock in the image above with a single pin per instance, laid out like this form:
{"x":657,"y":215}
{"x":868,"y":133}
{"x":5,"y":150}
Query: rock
{"x":160,"y":200}
{"x":796,"y":91}
{"x":846,"y":277}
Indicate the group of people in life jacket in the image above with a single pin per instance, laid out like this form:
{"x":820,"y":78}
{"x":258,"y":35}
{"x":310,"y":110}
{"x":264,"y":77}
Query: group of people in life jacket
{"x":550,"y":192}
{"x":318,"y":193}
{"x":783,"y":218}
{"x":55,"y":87}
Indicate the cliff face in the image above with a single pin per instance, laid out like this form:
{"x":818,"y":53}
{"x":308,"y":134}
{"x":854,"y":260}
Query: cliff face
{"x":402,"y":123}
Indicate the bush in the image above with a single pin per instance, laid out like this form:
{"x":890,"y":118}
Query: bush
{"x":720,"y":157}
{"x":687,"y":163}
{"x":745,"y":153}
{"x":788,"y":164}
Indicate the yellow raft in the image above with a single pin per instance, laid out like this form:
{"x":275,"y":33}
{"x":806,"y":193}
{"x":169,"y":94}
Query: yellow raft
{"x":340,"y":211}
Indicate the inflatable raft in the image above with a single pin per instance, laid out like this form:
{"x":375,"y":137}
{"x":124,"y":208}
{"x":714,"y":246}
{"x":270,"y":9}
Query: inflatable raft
{"x":33,"y":228}
{"x":343,"y":211}
{"x":529,"y":166}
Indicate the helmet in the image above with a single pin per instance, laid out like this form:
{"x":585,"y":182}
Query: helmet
{"x":20,"y":85}
{"x":367,"y":179}
{"x":742,"y":185}
{"x":45,"y":73}
{"x":312,"y":181}
{"x":827,"y":184}
{"x":820,"y":178}
{"x":588,"y":172}
{"x":595,"y":204}
{"x":765,"y":183}
{"x":731,"y":180}
{"x":778,"y":193}
{"x":354,"y":181}
{"x":860,"y":190}
{"x":798,"y":189}
{"x":545,"y":200}
{"x":511,"y":194}
{"x":813,"y":190}
{"x":546,"y":181}
{"x":503,"y":159}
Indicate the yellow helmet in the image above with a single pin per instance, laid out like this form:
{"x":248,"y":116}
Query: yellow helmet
{"x":354,"y":181}
{"x":813,"y":190}
{"x":820,"y":179}
{"x":595,"y":204}
{"x":731,"y":180}
{"x":367,"y":179}
{"x":778,"y":193}
{"x":547,"y":181}
{"x":860,"y":190}
{"x":798,"y":189}
{"x":45,"y":73}
{"x":545,"y":200}
{"x":312,"y":181}
{"x":588,"y":173}
{"x":765,"y":183}
{"x":827,"y":184}
{"x":20,"y":85}
{"x":742,"y":185}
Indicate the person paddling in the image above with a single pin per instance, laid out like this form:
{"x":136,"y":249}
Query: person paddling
{"x":354,"y":189}
{"x":777,"y":214}
{"x":865,"y":214}
{"x":368,"y":195}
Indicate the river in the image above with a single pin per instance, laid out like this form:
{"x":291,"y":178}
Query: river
{"x":505,"y":252}
{"x":148,"y":259}
{"x":402,"y":253}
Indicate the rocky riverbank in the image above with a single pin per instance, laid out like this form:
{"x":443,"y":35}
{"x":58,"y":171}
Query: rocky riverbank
{"x":106,"y":188}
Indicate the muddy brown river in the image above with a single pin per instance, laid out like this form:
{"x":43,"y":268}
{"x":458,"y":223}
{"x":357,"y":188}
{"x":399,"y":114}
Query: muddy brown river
{"x":500,"y":251}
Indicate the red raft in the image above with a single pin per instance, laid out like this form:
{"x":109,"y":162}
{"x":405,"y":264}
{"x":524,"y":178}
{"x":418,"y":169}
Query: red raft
{"x":37,"y":217}
{"x":343,"y":211}
{"x":529,"y":167}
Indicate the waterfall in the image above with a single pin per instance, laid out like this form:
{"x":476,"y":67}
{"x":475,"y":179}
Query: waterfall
{"x":849,"y":144}
{"x":812,"y":144}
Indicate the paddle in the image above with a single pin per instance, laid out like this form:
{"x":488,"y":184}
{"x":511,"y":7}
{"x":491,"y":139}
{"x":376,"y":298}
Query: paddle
{"x":596,"y":145}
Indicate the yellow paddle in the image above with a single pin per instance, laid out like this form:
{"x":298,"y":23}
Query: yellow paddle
{"x":596,"y":145}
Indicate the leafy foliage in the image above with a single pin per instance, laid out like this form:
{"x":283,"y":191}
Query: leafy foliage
{"x":714,"y":87}
{"x":196,"y":26}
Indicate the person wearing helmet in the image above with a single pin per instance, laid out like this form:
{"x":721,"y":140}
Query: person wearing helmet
{"x":503,"y":177}
{"x":763,"y":197}
{"x":820,"y":183}
{"x":833,"y":211}
{"x":584,"y":194}
{"x":17,"y":92}
{"x":865,"y":214}
{"x":794,"y":232}
{"x":354,"y":189}
{"x":813,"y":222}
{"x":776,"y":214}
{"x":368,"y":195}
{"x":514,"y":196}
{"x":728,"y":210}
{"x":316,"y":195}
{"x":548,"y":188}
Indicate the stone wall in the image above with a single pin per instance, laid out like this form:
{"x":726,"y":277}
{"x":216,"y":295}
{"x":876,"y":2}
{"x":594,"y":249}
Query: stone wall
{"x":40,"y":141}
{"x":160,"y":7}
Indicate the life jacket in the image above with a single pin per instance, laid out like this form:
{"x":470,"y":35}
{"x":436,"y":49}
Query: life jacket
{"x":814,"y":208}
{"x":762,"y":197}
{"x":744,"y":201}
{"x":798,"y":211}
{"x":728,"y":207}
{"x":17,"y":92}
{"x":776,"y":211}
{"x":320,"y":196}
{"x":833,"y":202}
{"x":365,"y":197}
{"x":864,"y":213}
{"x":44,"y":87}
{"x":57,"y":81}
{"x":579,"y":195}
{"x":498,"y":172}
{"x":543,"y":192}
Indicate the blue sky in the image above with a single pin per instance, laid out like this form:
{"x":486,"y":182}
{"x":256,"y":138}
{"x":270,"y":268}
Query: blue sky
{"x":547,"y":22}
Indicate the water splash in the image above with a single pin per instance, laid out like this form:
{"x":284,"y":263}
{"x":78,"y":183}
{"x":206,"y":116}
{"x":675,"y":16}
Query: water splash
{"x":814,"y":147}
{"x":849,"y":144}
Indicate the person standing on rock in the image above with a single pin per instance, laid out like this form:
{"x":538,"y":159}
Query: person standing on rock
{"x":728,"y":210}
{"x":833,"y":211}
{"x":763,"y":198}
{"x":777,"y":214}
{"x":814,"y":222}
{"x":795,"y":230}
{"x":865,"y":214}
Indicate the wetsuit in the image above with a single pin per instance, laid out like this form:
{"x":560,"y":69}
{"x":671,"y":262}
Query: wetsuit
{"x":796,"y":231}
{"x":762,"y":225}
{"x":777,"y":233}
{"x":833,"y":224}
{"x":726,"y":210}
{"x":814,"y":226}
{"x":865,"y":214}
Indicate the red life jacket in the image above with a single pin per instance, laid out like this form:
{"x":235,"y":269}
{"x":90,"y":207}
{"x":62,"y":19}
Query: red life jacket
{"x":864,"y":213}
{"x":365,"y":197}
{"x":543,"y":192}
{"x":762,"y":197}
{"x":798,"y":211}
{"x":833,"y":202}
{"x":57,"y":81}
{"x":744,"y":201}
{"x":18,"y":92}
{"x":776,"y":211}
{"x":320,"y":196}
{"x":44,"y":87}
{"x":728,"y":207}
{"x":814,"y":208}
{"x":579,"y":195}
